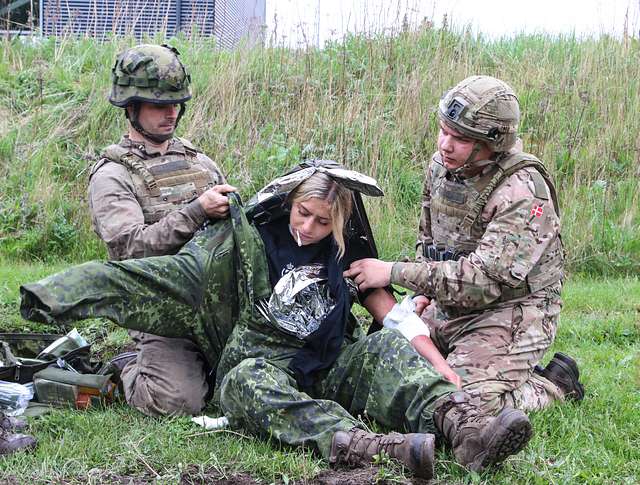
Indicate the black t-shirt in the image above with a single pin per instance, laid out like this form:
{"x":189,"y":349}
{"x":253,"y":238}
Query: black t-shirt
{"x":323,"y":346}
{"x":284,"y":254}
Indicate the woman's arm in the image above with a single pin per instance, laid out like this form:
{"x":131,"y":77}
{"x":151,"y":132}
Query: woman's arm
{"x":426,"y":348}
{"x":379,"y":303}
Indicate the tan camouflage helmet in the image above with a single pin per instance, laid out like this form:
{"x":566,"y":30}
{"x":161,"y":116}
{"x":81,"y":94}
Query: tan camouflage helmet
{"x":151,"y":74}
{"x":483,"y":108}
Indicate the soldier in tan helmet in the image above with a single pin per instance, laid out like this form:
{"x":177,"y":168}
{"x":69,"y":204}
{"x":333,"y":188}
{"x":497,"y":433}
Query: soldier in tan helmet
{"x":148,"y":195}
{"x":489,"y":266}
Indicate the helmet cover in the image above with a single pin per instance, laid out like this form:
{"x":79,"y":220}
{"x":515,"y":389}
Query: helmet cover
{"x":482,"y":108}
{"x":151,"y":74}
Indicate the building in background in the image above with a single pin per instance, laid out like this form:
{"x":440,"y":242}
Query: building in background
{"x":229,"y":21}
{"x":16,"y":16}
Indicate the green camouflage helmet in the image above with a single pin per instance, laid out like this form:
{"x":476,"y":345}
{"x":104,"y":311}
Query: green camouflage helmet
{"x":483,"y":108}
{"x":151,"y":74}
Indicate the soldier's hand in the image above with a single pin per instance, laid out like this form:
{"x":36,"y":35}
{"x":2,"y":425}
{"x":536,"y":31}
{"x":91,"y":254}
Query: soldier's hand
{"x":421,"y":302}
{"x":214,"y":201}
{"x":369,"y":273}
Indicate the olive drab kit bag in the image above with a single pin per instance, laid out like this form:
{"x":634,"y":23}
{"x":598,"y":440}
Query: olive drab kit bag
{"x":56,"y":368}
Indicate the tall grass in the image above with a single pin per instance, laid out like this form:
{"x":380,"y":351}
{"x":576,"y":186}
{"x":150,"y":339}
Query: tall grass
{"x":367,"y":102}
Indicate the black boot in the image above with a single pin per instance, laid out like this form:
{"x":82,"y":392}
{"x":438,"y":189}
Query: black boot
{"x":115,"y":366}
{"x":478,"y":440}
{"x":563,"y":371}
{"x":357,"y":448}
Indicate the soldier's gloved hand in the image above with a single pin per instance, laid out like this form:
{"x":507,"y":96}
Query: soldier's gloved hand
{"x":214,"y":201}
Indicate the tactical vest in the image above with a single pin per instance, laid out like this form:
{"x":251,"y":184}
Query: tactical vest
{"x":457,"y":227}
{"x":164,"y":183}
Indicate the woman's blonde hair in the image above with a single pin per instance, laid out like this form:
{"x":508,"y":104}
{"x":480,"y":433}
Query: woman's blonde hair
{"x":321,"y":186}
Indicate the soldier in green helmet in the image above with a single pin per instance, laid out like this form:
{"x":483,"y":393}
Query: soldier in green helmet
{"x":489,"y":265}
{"x":148,"y":195}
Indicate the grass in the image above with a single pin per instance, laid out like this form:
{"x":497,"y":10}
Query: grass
{"x":367,"y":102}
{"x":597,"y":441}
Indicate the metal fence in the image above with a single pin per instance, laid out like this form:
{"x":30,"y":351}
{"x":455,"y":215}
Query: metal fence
{"x":229,"y":21}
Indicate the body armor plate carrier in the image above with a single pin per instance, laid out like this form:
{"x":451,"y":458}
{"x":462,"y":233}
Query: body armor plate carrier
{"x":164,"y":183}
{"x":457,"y":227}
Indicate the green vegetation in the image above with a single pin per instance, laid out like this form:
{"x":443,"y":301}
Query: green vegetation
{"x":596,"y":442}
{"x":367,"y":102}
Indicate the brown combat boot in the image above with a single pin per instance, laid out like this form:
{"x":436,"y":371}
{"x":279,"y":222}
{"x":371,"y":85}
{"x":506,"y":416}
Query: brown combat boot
{"x":563,"y":371}
{"x":10,"y":423}
{"x":115,"y":367}
{"x":357,"y":448}
{"x":480,"y":441}
{"x":10,"y":443}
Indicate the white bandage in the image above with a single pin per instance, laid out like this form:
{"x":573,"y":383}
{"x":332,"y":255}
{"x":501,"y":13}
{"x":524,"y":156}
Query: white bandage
{"x":211,"y":423}
{"x":402,"y":317}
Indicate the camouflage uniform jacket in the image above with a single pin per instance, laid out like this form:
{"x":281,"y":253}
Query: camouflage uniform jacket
{"x":145,"y":204}
{"x":200,"y":293}
{"x":510,"y":250}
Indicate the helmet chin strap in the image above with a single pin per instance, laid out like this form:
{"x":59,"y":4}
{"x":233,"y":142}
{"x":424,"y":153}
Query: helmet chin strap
{"x":469,"y":163}
{"x":154,"y":137}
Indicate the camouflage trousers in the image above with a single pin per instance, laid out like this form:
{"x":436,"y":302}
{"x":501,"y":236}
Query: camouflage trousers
{"x":168,"y":377}
{"x":496,"y":351}
{"x":380,"y":377}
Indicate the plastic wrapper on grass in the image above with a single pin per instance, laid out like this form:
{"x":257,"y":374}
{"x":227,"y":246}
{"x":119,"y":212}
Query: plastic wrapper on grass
{"x":14,"y":398}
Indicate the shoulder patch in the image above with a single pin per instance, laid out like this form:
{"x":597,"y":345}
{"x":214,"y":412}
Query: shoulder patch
{"x":436,"y":169}
{"x":114,"y":153}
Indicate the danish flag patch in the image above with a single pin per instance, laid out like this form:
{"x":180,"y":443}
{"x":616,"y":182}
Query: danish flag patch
{"x":537,"y":211}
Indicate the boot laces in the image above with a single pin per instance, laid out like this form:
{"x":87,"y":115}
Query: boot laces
{"x":471,"y":418}
{"x":362,"y":443}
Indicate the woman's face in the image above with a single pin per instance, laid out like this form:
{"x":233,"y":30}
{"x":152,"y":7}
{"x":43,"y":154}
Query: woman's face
{"x":310,"y":220}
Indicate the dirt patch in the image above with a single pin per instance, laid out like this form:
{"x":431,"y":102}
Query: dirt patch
{"x":350,"y":477}
{"x":195,"y":475}
{"x":359,"y":476}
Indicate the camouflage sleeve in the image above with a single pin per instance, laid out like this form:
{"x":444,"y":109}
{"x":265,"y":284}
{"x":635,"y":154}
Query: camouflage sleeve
{"x":424,"y":226}
{"x":118,"y":219}
{"x":212,"y":167}
{"x":156,"y":295}
{"x":520,"y":228}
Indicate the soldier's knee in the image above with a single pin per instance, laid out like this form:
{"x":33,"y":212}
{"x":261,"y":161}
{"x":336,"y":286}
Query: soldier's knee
{"x":155,"y":402}
{"x":184,"y":399}
{"x":238,"y":383}
{"x":247,"y":368}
